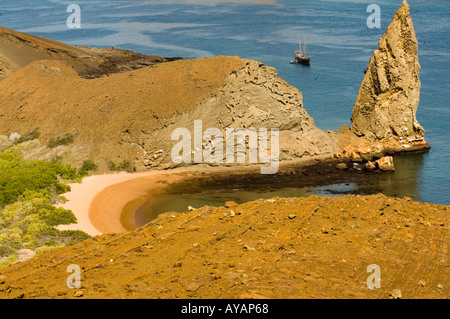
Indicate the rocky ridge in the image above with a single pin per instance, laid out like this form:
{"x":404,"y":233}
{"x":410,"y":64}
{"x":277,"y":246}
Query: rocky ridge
{"x":132,"y":114}
{"x":18,"y":49}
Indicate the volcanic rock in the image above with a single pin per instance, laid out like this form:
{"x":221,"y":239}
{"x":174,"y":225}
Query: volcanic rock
{"x":388,"y":98}
{"x":386,"y":163}
{"x":131,"y":115}
{"x":370,"y":166}
{"x":322,"y":252}
{"x":18,"y":49}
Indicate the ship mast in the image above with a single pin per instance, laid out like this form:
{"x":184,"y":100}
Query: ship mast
{"x":304,"y":45}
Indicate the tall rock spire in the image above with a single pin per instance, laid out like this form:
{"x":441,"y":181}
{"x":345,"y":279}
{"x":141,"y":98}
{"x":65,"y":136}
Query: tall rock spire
{"x":389,"y":94}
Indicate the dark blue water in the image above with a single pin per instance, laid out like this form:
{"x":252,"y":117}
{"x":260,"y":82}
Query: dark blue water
{"x":338,"y":40}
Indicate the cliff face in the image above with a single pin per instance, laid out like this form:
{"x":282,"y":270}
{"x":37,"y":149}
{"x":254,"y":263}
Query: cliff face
{"x":388,"y":98}
{"x":250,"y":96}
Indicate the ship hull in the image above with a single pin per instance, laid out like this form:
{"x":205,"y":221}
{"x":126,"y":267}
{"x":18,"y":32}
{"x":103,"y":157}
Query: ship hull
{"x":302,"y":60}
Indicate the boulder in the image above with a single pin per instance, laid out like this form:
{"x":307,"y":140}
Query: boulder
{"x":370,"y":166}
{"x":386,"y":163}
{"x":366,"y":153}
{"x":355,"y":157}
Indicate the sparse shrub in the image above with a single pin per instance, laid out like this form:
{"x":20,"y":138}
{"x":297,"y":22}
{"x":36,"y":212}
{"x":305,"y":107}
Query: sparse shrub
{"x":58,"y":216}
{"x":123,"y":166}
{"x":86,"y":167}
{"x":8,"y":261}
{"x":111,"y":165}
{"x":52,"y":69}
{"x":73,"y":236}
{"x":34,"y":134}
{"x":30,"y":245}
{"x":126,"y":166}
{"x":6,"y":250}
{"x":64,"y":139}
{"x":44,"y":249}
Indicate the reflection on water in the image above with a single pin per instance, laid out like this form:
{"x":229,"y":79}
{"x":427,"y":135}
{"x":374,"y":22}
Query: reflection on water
{"x":402,"y":183}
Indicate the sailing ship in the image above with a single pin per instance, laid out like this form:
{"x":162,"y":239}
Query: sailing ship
{"x":301,"y":55}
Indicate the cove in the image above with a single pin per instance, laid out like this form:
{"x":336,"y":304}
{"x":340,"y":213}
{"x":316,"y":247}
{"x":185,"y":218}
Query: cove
{"x":321,"y":179}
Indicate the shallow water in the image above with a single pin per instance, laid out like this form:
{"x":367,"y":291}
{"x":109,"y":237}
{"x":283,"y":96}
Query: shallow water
{"x":402,"y":183}
{"x":339,"y":42}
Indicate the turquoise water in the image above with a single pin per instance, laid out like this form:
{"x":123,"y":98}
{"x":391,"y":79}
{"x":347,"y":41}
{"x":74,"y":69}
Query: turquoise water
{"x":338,"y":38}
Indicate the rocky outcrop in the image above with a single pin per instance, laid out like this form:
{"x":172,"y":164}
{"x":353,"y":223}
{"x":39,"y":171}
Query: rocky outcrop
{"x":388,"y":98}
{"x":251,"y":96}
{"x":384,"y":116}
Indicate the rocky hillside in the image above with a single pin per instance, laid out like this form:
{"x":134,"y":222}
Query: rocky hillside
{"x":18,"y":49}
{"x":131,"y":115}
{"x":316,"y":247}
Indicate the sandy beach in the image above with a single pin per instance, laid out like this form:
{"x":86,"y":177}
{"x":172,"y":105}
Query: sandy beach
{"x":99,"y":202}
{"x":107,"y":203}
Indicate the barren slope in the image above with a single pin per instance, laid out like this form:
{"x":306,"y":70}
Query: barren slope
{"x":18,"y":49}
{"x":316,"y":247}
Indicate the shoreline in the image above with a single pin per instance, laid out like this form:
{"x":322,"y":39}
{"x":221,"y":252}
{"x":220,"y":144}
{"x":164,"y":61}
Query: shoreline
{"x":112,"y":193}
{"x":121,"y":194}
{"x":107,"y":203}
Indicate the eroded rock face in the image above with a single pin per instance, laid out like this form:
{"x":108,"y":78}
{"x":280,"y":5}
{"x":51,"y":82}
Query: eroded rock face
{"x":253,"y":96}
{"x":389,"y":94}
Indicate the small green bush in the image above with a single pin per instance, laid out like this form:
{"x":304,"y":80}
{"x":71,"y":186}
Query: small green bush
{"x":44,"y":249}
{"x":123,"y":166}
{"x":64,"y":139}
{"x":86,"y":167}
{"x":6,"y":250}
{"x":73,"y":236}
{"x":57,"y":216}
{"x":8,"y":261}
{"x":34,"y":134}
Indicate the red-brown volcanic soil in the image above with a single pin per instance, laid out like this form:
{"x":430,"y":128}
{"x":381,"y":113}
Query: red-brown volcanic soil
{"x":315,"y":247}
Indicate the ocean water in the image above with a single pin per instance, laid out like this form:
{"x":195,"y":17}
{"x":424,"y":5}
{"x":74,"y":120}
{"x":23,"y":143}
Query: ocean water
{"x":338,"y":39}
